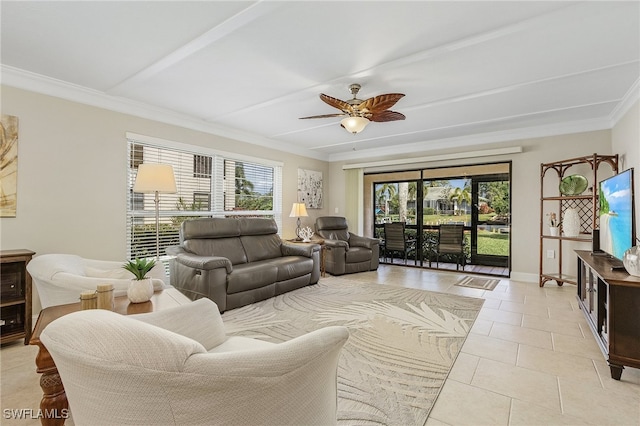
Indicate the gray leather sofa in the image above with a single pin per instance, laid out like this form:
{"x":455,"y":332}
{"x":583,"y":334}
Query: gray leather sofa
{"x":346,"y":252}
{"x":235,"y":262}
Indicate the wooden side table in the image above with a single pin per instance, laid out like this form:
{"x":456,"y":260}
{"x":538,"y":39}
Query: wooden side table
{"x":15,"y":295}
{"x":54,"y":404}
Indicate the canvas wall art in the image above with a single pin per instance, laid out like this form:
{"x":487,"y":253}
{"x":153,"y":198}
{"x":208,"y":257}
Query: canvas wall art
{"x":8,"y":166}
{"x":310,"y":188}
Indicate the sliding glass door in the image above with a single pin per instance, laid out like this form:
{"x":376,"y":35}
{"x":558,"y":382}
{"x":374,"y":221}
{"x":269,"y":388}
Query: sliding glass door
{"x":476,"y":196}
{"x":491,"y":220}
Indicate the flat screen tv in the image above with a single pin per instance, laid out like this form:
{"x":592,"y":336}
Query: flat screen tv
{"x":617,"y":218}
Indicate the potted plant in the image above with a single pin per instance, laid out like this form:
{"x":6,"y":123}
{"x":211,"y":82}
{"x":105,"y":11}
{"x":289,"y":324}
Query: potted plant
{"x":141,"y":287}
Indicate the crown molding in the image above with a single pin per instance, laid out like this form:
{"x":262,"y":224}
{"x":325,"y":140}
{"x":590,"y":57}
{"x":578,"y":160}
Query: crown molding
{"x":33,"y":82}
{"x":630,"y":98}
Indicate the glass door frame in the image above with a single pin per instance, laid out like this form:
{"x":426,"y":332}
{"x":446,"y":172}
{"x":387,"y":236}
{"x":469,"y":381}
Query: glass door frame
{"x":483,"y":259}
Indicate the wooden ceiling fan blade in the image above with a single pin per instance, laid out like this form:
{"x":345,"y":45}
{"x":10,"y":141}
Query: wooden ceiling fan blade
{"x":380,"y":103}
{"x":324,"y":116}
{"x":386,"y":116}
{"x":337,"y":103}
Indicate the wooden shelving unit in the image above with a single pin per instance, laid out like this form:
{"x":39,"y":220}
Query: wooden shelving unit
{"x":585,"y":204}
{"x":15,"y":295}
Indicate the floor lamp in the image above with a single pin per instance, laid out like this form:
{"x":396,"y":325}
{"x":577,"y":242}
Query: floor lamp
{"x":155,"y":178}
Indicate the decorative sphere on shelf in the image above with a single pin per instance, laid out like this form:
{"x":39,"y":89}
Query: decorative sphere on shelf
{"x":631,"y":261}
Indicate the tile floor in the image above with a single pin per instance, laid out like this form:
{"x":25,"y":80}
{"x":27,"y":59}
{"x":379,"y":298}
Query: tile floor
{"x":530,"y":359}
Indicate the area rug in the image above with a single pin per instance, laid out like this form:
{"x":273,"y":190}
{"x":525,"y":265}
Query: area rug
{"x":481,"y":283}
{"x":402,"y":345}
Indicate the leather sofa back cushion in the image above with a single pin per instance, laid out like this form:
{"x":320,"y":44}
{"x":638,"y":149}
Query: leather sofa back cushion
{"x":231,"y":248}
{"x":209,"y":228}
{"x":257,"y":226}
{"x":260,"y":247}
{"x":332,"y":228}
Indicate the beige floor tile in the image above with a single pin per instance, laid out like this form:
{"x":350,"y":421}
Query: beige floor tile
{"x":596,"y":405}
{"x":551,"y":325}
{"x":464,"y":368}
{"x":564,"y":314}
{"x":523,"y":308}
{"x":558,"y":364}
{"x":492,"y":304}
{"x":539,"y":338}
{"x":513,"y":297}
{"x":529,"y":414}
{"x":583,"y":347}
{"x":481,"y":326}
{"x":519,"y":383}
{"x":480,"y":407}
{"x":630,"y":376}
{"x":491,"y":348}
{"x":497,"y":315}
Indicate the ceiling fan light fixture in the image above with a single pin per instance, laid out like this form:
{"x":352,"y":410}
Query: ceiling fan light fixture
{"x":354,"y":124}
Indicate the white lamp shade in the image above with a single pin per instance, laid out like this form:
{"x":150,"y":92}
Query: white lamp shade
{"x":298,"y":210}
{"x":155,"y":177}
{"x":354,"y":124}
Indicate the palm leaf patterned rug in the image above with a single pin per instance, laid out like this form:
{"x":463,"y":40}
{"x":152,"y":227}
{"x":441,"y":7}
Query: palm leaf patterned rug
{"x":402,"y":345}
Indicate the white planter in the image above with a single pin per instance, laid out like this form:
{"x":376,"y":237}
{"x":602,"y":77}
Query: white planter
{"x":631,"y":261}
{"x":553,"y":231}
{"x":140,"y":291}
{"x":571,"y":223}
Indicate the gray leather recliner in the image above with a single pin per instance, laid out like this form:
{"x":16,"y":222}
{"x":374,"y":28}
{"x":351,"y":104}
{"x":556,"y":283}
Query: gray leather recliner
{"x":347,"y":252}
{"x":236,"y":262}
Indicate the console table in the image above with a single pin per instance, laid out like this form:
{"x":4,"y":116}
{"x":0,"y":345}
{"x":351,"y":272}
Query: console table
{"x":54,"y":400}
{"x":610,"y":301}
{"x":15,"y":295}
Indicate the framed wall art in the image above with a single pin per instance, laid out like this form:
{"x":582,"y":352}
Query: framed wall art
{"x":310,"y":188}
{"x":8,"y":166}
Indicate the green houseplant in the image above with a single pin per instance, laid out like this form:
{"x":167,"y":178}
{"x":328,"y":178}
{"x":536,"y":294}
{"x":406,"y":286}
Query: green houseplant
{"x":139,"y":267}
{"x":141,"y":288}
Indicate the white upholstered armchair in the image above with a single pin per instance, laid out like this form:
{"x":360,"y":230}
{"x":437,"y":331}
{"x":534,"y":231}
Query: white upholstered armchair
{"x":178,"y":367}
{"x":60,"y":278}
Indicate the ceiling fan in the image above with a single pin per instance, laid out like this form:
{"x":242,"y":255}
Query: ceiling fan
{"x":359,"y":113}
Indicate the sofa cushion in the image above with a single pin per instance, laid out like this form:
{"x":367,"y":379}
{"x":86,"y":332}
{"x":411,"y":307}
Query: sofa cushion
{"x":249,"y":276}
{"x":358,"y":254}
{"x":209,"y":228}
{"x":257,"y":226}
{"x":260,"y":247}
{"x":231,"y":248}
{"x":293,"y":267}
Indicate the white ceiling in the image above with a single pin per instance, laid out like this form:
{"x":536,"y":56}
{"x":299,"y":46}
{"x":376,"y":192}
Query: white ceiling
{"x":473,"y":72}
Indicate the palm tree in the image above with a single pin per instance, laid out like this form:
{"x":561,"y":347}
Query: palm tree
{"x":384,"y":192}
{"x":403,"y":195}
{"x":460,"y":195}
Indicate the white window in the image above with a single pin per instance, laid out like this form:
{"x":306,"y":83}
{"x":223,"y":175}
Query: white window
{"x":209,"y":184}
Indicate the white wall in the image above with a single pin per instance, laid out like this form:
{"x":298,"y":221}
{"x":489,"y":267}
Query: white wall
{"x":525,"y":186}
{"x":625,"y":140}
{"x":72,"y":174}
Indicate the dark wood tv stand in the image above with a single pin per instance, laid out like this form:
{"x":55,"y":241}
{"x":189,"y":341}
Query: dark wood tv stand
{"x":610,"y":300}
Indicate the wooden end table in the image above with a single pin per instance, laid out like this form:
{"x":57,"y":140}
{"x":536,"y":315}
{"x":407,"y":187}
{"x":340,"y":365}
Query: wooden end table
{"x":54,"y":404}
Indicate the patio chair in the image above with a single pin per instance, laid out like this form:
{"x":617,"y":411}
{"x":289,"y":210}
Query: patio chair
{"x":396,"y":240}
{"x":451,"y":242}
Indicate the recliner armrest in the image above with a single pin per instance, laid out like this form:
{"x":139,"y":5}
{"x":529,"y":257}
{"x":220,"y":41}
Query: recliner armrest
{"x":358,"y":241}
{"x":204,"y":262}
{"x":293,"y":249}
{"x":336,"y":243}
